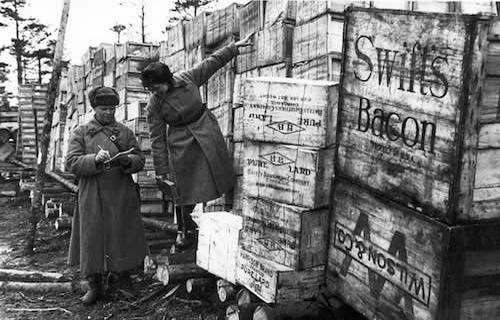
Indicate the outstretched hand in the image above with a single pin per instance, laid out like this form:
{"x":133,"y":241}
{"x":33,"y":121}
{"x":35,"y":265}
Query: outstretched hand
{"x":247,"y":41}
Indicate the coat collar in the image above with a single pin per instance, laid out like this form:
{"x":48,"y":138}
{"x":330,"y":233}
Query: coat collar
{"x":94,"y":127}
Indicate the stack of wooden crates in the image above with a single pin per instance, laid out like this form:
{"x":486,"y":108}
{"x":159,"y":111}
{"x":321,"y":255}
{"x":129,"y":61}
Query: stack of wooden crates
{"x":414,"y":230}
{"x":289,"y":150}
{"x":32,"y":105}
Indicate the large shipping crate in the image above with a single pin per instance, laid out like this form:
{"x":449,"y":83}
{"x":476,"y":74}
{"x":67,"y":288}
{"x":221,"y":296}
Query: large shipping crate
{"x":222,"y":24}
{"x":175,"y":38}
{"x":274,"y":283}
{"x":288,"y":174}
{"x":391,"y":262}
{"x":409,"y":121}
{"x":289,"y":235}
{"x":217,"y":250}
{"x":251,"y":17}
{"x":326,"y":67}
{"x":319,"y":37}
{"x":277,"y":12}
{"x":274,"y":44}
{"x":195,"y":31}
{"x":291,"y":111}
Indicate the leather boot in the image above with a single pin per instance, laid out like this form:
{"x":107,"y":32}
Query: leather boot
{"x":94,"y":291}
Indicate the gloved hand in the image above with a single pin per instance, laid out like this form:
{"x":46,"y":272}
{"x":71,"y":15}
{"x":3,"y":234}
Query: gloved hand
{"x":123,"y":161}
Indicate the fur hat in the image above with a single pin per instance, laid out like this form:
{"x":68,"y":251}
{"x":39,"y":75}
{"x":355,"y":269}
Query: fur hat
{"x":103,"y":96}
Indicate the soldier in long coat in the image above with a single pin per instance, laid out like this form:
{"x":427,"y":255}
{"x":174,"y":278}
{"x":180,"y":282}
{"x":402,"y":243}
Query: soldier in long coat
{"x":193,"y":153}
{"x":107,"y":233}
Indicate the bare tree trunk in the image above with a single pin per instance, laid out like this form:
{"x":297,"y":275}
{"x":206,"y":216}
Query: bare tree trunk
{"x":36,"y":203}
{"x":18,"y":50}
{"x":143,"y":17}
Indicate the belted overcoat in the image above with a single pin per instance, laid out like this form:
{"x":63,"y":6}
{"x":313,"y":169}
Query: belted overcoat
{"x":193,"y":151}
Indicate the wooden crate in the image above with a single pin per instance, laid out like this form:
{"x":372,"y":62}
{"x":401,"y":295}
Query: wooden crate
{"x":326,"y":67}
{"x":217,"y":250}
{"x":289,"y":235}
{"x":130,"y":65}
{"x":390,"y":262}
{"x":238,"y":91}
{"x":251,"y":17}
{"x":277,"y":12}
{"x":247,"y":59}
{"x":130,"y":95}
{"x":195,"y":31}
{"x":133,"y":49}
{"x":493,"y":61}
{"x":150,"y":193}
{"x":310,"y":9}
{"x":176,"y":62}
{"x":319,"y":37}
{"x":292,"y":111}
{"x":490,"y":102}
{"x":139,"y":126}
{"x":222,"y":24}
{"x":129,"y":81}
{"x":153,"y":208}
{"x":194,"y":56}
{"x":279,"y":70}
{"x":223,"y":114}
{"x":414,"y":141}
{"x":137,"y":109}
{"x":274,"y":44}
{"x":220,"y":87}
{"x":288,"y":174}
{"x":175,"y":38}
{"x":274,"y":283}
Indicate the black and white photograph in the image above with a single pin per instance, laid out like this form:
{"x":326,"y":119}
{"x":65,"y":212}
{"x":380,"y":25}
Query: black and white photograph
{"x":249,"y":160}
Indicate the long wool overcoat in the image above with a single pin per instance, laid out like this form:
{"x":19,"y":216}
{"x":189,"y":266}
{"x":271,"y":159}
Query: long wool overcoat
{"x":193,"y":151}
{"x":107,"y":232}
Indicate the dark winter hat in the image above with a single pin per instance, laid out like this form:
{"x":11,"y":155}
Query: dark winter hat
{"x":156,"y":72}
{"x":103,"y":96}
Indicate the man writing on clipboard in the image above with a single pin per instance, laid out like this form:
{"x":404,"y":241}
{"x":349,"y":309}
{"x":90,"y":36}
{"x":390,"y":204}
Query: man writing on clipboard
{"x":107,"y":233}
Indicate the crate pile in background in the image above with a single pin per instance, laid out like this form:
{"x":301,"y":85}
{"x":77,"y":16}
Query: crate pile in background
{"x":413,"y":232}
{"x":56,"y":144}
{"x":32,"y":105}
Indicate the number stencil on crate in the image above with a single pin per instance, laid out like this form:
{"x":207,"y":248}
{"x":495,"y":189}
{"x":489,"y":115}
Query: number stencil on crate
{"x":291,"y":111}
{"x":408,"y":117}
{"x":390,"y":262}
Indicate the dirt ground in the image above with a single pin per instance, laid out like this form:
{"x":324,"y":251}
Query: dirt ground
{"x":50,"y":255}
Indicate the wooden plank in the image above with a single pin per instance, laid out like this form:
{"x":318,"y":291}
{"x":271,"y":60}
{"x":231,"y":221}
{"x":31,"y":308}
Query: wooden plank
{"x":433,"y":6}
{"x":274,"y":283}
{"x":217,"y":250}
{"x":238,"y":159}
{"x":289,"y":235}
{"x":152,"y":208}
{"x":220,"y":87}
{"x":407,"y":137}
{"x":237,"y":195}
{"x":150,"y":193}
{"x":238,"y":124}
{"x":176,"y":62}
{"x":291,"y":111}
{"x":129,"y":81}
{"x":326,"y":67}
{"x":316,"y":38}
{"x":493,"y":60}
{"x":274,"y":44}
{"x":288,"y":174}
{"x":390,"y":262}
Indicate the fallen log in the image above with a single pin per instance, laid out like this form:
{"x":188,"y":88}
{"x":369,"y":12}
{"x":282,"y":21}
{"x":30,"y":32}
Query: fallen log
{"x":159,"y":225}
{"x":30,"y":276}
{"x":225,"y":290}
{"x":179,"y":272}
{"x":62,"y":223}
{"x":244,"y":297}
{"x":38,"y":287}
{"x":199,"y":286}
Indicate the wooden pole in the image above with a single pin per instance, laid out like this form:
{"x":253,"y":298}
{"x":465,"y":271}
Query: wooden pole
{"x":36,"y":203}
